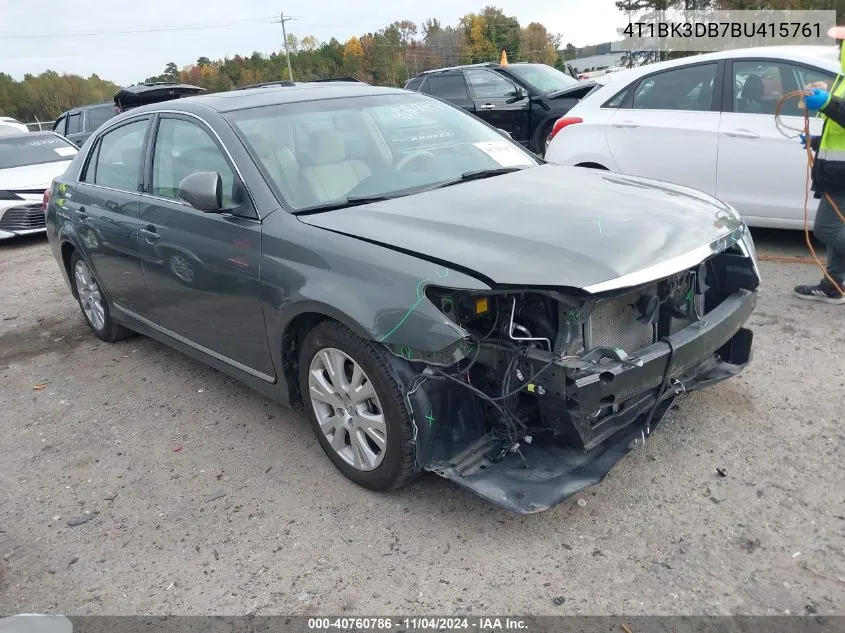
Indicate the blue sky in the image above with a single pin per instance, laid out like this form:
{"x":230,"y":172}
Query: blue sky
{"x":100,"y":36}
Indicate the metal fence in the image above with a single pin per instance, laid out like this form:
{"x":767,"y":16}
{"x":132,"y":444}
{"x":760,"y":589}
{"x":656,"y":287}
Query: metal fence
{"x":39,"y":126}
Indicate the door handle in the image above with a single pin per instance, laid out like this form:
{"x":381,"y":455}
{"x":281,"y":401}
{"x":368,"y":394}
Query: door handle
{"x":150,"y":234}
{"x":629,"y":124}
{"x":487,"y":106}
{"x":741,"y":134}
{"x":81,"y":214}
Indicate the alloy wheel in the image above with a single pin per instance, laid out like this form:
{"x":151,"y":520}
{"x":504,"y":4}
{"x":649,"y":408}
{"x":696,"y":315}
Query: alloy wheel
{"x":90,"y":297}
{"x":347,"y":409}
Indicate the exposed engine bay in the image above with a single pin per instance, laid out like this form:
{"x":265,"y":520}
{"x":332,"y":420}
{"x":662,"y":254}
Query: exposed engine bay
{"x":554,"y":387}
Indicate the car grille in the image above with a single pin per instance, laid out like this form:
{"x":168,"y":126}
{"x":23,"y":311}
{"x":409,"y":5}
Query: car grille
{"x":23,"y":218}
{"x":613,"y":323}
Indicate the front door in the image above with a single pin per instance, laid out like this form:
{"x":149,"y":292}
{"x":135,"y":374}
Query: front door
{"x":497,"y":101}
{"x":763,"y":173}
{"x":203,"y":269}
{"x":105,"y":208}
{"x":668,"y":126}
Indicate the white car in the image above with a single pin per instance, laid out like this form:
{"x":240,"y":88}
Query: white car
{"x":705,"y":122}
{"x":28,"y":164}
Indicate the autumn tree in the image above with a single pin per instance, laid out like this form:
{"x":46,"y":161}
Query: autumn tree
{"x":538,"y":45}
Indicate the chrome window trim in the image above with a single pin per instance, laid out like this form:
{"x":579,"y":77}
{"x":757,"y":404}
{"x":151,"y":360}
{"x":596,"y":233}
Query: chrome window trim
{"x":197,"y":346}
{"x":109,"y":126}
{"x":216,"y":136}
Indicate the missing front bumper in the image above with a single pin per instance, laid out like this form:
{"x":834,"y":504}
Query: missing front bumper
{"x":599,"y":413}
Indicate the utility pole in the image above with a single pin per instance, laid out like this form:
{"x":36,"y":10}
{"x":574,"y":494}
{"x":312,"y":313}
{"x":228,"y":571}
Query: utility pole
{"x":282,"y":20}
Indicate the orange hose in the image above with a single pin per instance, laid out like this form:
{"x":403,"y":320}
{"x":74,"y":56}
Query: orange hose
{"x":800,"y":94}
{"x":786,"y":260}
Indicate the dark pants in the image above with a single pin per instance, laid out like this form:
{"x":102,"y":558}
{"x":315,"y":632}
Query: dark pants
{"x":829,"y":229}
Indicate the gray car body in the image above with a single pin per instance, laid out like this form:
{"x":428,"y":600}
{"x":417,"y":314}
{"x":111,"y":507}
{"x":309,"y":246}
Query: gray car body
{"x":367,"y":267}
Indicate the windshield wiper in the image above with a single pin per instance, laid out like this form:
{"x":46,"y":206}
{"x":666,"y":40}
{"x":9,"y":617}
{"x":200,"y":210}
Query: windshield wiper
{"x":478,"y":175}
{"x":343,"y":203}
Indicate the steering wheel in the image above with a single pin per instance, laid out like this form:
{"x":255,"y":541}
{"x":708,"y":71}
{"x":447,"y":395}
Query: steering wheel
{"x":420,"y":153}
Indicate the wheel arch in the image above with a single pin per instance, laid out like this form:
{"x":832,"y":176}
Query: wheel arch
{"x":542,"y":129}
{"x":67,"y":250}
{"x":307,"y":317}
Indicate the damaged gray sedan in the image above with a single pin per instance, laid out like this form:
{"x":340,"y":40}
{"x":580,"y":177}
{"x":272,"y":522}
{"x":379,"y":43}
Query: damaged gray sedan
{"x":434,"y":296}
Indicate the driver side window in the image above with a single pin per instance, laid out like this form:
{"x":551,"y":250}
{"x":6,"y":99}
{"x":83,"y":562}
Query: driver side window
{"x":183,"y":148}
{"x":488,"y":85}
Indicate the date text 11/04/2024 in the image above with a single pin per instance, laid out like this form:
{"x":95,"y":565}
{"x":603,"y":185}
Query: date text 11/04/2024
{"x":417,"y":624}
{"x":651,"y":30}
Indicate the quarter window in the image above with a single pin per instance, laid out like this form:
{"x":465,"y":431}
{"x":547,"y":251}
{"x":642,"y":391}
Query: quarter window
{"x":689,"y":88}
{"x":116,"y":163}
{"x":59,"y":126}
{"x":183,"y":148}
{"x":489,"y":85}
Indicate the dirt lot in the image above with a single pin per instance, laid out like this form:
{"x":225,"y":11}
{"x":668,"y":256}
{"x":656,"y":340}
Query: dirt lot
{"x":205,"y":497}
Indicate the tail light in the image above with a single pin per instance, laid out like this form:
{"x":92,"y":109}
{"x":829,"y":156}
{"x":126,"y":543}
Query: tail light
{"x":562,"y":123}
{"x":45,"y":200}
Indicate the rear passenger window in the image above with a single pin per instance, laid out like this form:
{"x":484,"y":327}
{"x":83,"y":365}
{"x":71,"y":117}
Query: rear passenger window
{"x":116,"y":162}
{"x":689,"y":88}
{"x":74,"y":123}
{"x":98,"y":116}
{"x":448,"y":87}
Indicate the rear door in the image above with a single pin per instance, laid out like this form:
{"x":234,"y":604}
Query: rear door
{"x":96,"y":116}
{"x":75,"y":130}
{"x":200,"y":264}
{"x":668,"y":126}
{"x":105,"y":209}
{"x":450,"y":87}
{"x":495,"y":99}
{"x":761,"y":172}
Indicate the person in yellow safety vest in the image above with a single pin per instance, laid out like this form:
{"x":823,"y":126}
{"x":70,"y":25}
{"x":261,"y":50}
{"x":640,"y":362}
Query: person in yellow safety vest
{"x":829,"y":180}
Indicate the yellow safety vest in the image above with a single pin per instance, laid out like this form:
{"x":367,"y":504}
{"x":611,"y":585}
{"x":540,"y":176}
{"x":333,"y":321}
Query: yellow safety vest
{"x":832,"y":145}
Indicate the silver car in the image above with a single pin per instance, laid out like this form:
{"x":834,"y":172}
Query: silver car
{"x":28,"y":164}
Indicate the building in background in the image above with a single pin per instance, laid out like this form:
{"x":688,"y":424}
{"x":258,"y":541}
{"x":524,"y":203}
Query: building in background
{"x":597,"y":62}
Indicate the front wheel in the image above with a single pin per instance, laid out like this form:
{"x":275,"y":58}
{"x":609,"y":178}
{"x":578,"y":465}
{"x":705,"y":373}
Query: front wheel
{"x":93,"y":303}
{"x":356,"y":408}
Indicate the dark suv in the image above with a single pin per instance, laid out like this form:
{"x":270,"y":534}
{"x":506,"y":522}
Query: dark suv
{"x":78,"y":124}
{"x":522,"y":99}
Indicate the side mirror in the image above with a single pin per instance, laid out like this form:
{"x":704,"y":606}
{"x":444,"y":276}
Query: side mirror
{"x":203,"y":190}
{"x":519,"y":93}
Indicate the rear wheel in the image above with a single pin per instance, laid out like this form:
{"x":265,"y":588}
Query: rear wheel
{"x":93,"y":303}
{"x":356,"y":408}
{"x":540,"y":142}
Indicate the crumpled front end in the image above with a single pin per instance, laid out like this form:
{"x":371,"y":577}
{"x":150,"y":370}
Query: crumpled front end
{"x":555,"y":387}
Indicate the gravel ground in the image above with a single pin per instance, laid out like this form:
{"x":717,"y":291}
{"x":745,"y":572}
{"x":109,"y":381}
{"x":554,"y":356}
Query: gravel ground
{"x":205,"y":497}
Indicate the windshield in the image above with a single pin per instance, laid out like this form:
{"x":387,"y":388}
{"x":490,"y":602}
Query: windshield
{"x":33,"y":149}
{"x":321,"y":152}
{"x":543,"y":78}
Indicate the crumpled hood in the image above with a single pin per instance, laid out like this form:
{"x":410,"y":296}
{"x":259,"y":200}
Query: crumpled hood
{"x":545,"y":226}
{"x":32,"y":176}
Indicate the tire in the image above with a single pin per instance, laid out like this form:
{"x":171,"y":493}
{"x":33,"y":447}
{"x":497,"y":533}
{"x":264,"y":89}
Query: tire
{"x":541,"y":139}
{"x":387,"y":468}
{"x":92,"y":302}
